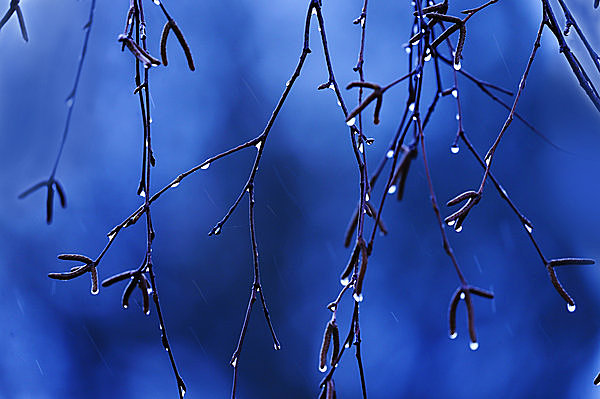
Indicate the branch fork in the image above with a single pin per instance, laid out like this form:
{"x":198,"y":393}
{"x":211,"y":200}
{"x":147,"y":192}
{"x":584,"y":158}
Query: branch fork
{"x":465,"y":292}
{"x":136,"y":278}
{"x":552,"y":263}
{"x":457,"y":218}
{"x":50,"y":184}
{"x":89,"y":266}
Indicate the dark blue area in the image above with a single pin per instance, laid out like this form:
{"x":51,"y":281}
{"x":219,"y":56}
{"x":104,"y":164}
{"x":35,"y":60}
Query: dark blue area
{"x":58,"y":341}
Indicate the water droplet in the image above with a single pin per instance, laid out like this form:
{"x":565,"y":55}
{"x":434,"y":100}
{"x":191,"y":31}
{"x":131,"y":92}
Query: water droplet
{"x":571,"y":308}
{"x":392,"y":189}
{"x":389,"y":154}
{"x":111,"y":236}
{"x":462,"y":295}
{"x":234,"y":362}
{"x":151,"y":120}
{"x":217,"y":230}
{"x":457,"y":117}
{"x":314,"y":11}
{"x":258,"y":145}
{"x":182,"y":391}
{"x":175,"y":183}
{"x":276,"y":346}
{"x":332,"y":86}
{"x":361,"y":148}
{"x":157,"y":2}
{"x":457,"y":66}
{"x":408,"y":49}
{"x":205,"y":166}
{"x":339,"y":103}
{"x":411,"y":107}
{"x":427,"y":55}
{"x":528,"y":227}
{"x":451,"y":222}
{"x":69,"y":102}
{"x":125,"y":306}
{"x":367,"y":197}
{"x":455,"y":93}
{"x":347,"y":345}
{"x":345,"y":281}
{"x":453,"y":335}
{"x":143,"y":194}
{"x":323,"y":369}
{"x":458,"y":229}
{"x":474,"y":345}
{"x":95,"y":292}
{"x":454,"y":149}
{"x":488,"y":159}
{"x":147,"y":312}
{"x":287,"y":84}
{"x":351,"y":122}
{"x":357,"y":297}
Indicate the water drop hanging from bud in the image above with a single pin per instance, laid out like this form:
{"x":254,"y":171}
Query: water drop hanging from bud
{"x":392,"y":189}
{"x":323,"y":369}
{"x":455,"y":93}
{"x":571,"y":308}
{"x":528,"y":227}
{"x":454,"y":149}
{"x":457,"y":66}
{"x":351,"y":121}
{"x":345,"y":281}
{"x":453,"y":335}
{"x":411,"y":107}
{"x":357,"y":297}
{"x":462,"y":295}
{"x":389,"y":154}
{"x":474,"y":346}
{"x":205,"y":166}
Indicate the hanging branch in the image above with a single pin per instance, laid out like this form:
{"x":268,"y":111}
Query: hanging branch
{"x":585,"y":82}
{"x":473,"y":197}
{"x":424,"y":46}
{"x":52,"y":183}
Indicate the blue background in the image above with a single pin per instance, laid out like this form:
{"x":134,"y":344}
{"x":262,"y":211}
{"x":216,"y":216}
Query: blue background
{"x":57,"y":340}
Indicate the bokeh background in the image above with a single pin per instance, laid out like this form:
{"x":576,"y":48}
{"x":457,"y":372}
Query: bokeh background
{"x":57,"y":340}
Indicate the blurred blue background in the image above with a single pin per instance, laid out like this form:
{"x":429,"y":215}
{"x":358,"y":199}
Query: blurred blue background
{"x":60,"y":341}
